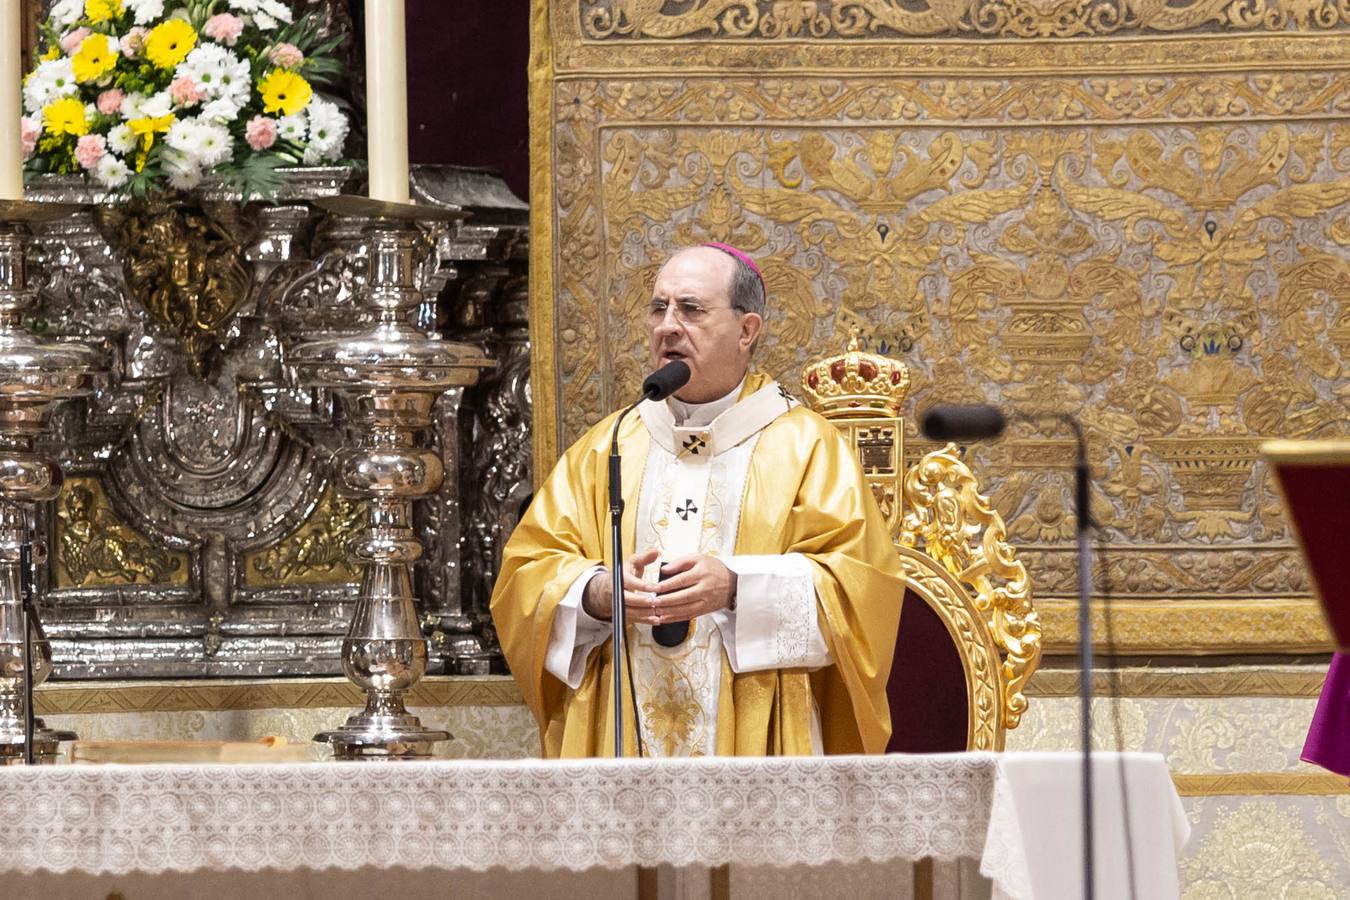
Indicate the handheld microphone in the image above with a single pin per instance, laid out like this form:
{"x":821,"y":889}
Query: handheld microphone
{"x":947,"y":422}
{"x":666,"y":380}
{"x":670,"y":634}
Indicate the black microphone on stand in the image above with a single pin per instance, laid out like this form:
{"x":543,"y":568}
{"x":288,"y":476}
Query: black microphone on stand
{"x":962,"y":423}
{"x":658,"y":386}
{"x":977,"y":423}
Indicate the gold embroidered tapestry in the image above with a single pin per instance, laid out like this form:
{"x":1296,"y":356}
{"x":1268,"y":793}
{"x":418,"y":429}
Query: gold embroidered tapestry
{"x":1133,"y":212}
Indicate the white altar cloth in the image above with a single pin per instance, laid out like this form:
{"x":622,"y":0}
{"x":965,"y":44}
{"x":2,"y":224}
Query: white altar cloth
{"x":528,"y":814}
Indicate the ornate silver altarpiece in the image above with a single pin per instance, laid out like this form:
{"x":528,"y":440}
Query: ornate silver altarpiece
{"x":198,"y":532}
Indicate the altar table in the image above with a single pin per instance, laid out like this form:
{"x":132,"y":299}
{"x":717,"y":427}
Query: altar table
{"x":425,"y":827}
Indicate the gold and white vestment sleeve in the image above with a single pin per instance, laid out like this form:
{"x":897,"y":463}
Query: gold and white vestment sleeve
{"x":776,"y":622}
{"x":575,"y":633}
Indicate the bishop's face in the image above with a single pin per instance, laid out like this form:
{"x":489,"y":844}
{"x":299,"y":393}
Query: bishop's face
{"x":691,"y":319}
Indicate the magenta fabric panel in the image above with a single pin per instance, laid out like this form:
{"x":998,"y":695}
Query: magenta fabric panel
{"x":1328,"y":743}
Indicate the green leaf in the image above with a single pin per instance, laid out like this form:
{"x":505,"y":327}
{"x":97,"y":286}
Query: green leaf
{"x":257,"y":175}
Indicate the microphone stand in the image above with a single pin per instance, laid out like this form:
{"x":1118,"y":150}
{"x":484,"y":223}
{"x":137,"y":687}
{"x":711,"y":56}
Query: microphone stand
{"x":966,"y":423}
{"x":26,"y":604}
{"x":617,"y":612}
{"x":1083,"y":516}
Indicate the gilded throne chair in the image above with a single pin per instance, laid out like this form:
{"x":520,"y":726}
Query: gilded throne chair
{"x":969,"y":636}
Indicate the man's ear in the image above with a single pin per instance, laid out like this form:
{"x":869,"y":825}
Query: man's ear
{"x":751,"y":325}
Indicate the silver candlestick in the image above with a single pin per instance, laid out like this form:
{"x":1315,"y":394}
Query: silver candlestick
{"x":34,"y":376}
{"x":388,"y":377}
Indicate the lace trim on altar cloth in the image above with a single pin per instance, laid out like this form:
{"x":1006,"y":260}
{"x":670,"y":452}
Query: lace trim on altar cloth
{"x":476,"y":815}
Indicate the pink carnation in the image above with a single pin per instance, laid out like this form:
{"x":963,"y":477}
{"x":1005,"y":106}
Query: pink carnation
{"x":288,"y":56}
{"x":90,"y":149}
{"x":29,"y":129}
{"x":132,"y":40}
{"x":71,"y":40}
{"x":110,"y":101}
{"x":185,"y":91}
{"x":224,"y":27}
{"x":260,"y":132}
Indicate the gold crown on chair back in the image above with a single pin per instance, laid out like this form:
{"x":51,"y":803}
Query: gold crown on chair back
{"x":856,"y":383}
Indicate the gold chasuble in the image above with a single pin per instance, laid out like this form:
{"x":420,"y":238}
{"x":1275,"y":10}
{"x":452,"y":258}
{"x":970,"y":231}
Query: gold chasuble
{"x":772,"y":489}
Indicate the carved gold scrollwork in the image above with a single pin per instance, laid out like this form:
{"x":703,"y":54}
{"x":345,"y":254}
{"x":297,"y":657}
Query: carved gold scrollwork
{"x":94,"y":548}
{"x":801,"y":19}
{"x":316,"y":552}
{"x":950,"y":520}
{"x":185,"y":265}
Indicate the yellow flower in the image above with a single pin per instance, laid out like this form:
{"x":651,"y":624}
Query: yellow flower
{"x":284,"y":92}
{"x":146,"y":129}
{"x":97,"y":57}
{"x":101,"y":10}
{"x":51,"y":54}
{"x":169,"y":43}
{"x":65,"y":116}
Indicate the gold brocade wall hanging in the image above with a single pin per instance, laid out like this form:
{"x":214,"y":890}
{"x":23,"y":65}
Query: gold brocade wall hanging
{"x":1138,"y":214}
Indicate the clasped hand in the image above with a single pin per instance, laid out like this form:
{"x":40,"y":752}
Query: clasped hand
{"x":696,"y":585}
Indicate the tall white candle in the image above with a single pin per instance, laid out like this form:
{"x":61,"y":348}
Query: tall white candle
{"x":387,"y":100}
{"x":11,"y":141}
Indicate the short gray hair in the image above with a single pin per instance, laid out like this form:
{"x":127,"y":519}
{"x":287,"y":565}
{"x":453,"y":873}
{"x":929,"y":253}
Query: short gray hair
{"x":747,"y":291}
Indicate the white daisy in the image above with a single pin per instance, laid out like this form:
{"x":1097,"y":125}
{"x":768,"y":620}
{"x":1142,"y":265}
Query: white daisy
{"x":131,"y":106}
{"x":327,"y":131}
{"x":223,"y":110}
{"x":145,"y":11}
{"x":65,"y":13}
{"x":202,"y":63}
{"x":183,"y":169}
{"x":276,"y":10}
{"x":266,"y":14}
{"x":112,"y":172}
{"x":156,"y":105}
{"x":185,"y":137}
{"x":121,"y":139}
{"x":185,"y":178}
{"x":51,"y":80}
{"x":214,"y":144}
{"x":220,"y":72}
{"x":292,"y":128}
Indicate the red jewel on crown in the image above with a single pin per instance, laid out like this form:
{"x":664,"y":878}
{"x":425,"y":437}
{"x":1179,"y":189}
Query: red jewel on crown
{"x":857,"y":382}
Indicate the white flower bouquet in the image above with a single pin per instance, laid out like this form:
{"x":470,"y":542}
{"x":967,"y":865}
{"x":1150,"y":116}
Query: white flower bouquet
{"x":140,"y":95}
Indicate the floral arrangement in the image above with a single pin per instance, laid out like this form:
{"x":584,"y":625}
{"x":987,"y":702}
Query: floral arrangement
{"x":138,"y":95}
